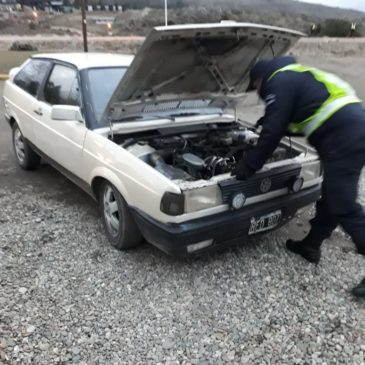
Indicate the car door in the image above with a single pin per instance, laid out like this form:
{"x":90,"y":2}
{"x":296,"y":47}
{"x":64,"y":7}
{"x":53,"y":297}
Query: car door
{"x":23,"y":96}
{"x":61,"y":140}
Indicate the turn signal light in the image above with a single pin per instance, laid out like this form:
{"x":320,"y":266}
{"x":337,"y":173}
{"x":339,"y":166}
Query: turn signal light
{"x":172,"y":203}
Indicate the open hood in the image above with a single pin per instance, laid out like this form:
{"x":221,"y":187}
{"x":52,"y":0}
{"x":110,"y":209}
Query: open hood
{"x":195,"y":66}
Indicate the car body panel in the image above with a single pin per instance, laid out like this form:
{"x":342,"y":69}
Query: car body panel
{"x":222,"y":229}
{"x":21,"y":106}
{"x":89,"y":60}
{"x":139,"y":184}
{"x":53,"y":136}
{"x":209,"y":62}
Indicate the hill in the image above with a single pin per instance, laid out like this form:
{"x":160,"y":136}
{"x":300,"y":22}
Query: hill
{"x":139,"y":16}
{"x":283,"y":6}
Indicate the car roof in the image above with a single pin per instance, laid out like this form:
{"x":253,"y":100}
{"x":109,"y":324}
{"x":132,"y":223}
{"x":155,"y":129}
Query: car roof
{"x":89,"y":60}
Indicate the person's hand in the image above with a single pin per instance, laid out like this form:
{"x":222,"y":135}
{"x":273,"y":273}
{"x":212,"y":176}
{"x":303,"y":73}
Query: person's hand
{"x":242,"y":171}
{"x":259,"y":123}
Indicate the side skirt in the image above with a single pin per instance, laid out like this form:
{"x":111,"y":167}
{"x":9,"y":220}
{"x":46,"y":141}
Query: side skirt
{"x":69,"y":175}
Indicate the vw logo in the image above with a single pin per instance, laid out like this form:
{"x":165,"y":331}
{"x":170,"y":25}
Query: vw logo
{"x":265,"y":185}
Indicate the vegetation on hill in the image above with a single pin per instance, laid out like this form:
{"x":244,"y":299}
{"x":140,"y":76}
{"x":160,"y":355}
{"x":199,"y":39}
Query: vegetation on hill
{"x":141,"y":21}
{"x":139,"y":16}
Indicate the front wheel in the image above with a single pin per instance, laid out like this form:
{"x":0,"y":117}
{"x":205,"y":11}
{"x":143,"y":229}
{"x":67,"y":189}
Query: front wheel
{"x":25,"y":156}
{"x":120,"y":228}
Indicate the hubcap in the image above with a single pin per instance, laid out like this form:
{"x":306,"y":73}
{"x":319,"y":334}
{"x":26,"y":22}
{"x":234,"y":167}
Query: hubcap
{"x":111,"y":211}
{"x":19,"y":145}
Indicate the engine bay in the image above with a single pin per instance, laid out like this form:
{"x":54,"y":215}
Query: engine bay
{"x":198,"y":152}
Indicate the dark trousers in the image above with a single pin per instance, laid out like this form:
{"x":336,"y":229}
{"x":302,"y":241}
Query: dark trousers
{"x":338,"y":205}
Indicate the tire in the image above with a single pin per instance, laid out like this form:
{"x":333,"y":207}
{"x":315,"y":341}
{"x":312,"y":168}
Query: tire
{"x":120,"y":228}
{"x":26,"y":158}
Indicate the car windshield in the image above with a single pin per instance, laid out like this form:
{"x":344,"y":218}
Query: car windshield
{"x":102,"y":83}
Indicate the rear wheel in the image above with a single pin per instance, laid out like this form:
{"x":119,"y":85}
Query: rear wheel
{"x":25,"y":156}
{"x":120,"y":228}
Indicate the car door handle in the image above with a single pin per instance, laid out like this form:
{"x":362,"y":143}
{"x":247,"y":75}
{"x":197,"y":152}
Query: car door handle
{"x":38,"y":111}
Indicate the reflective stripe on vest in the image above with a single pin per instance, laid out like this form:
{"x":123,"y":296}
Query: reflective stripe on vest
{"x":340,"y":94}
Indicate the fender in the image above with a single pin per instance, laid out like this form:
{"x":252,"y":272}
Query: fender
{"x":14,"y":111}
{"x":109,"y":175}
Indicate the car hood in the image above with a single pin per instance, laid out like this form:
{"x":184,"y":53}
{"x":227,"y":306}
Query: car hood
{"x":191,"y":67}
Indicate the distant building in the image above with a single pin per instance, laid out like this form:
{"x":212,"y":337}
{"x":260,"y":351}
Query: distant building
{"x":39,"y":4}
{"x":103,"y":19}
{"x":111,"y":8}
{"x":56,"y":5}
{"x":7,"y":5}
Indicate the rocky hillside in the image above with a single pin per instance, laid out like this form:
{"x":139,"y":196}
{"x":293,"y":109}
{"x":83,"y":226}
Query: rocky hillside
{"x":282,"y":6}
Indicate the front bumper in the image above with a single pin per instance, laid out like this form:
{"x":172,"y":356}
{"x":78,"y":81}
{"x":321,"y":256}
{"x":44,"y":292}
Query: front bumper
{"x":226,"y":229}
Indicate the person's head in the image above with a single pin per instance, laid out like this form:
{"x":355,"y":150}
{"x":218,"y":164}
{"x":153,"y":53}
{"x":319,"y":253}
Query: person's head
{"x":257,"y":74}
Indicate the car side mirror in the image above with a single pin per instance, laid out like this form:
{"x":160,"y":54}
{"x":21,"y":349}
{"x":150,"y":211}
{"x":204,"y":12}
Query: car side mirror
{"x":66,"y":112}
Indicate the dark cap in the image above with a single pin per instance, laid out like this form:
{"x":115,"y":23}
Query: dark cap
{"x":257,"y":72}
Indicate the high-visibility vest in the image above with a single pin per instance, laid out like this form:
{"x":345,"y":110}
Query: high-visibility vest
{"x":340,"y":94}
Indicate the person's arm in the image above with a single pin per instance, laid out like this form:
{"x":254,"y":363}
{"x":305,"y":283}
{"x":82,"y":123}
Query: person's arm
{"x":280,"y":94}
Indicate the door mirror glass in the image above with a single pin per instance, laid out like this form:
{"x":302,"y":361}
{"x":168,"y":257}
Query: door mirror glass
{"x":66,"y":112}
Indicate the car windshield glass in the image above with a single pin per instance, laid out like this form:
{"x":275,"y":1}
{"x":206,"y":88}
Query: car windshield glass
{"x":102,"y":83}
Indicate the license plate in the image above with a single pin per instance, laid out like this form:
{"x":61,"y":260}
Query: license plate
{"x":264,"y":223}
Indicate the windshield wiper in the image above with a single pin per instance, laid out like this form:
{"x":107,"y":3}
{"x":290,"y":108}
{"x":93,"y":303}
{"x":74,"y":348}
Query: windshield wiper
{"x":141,"y":118}
{"x":171,"y":117}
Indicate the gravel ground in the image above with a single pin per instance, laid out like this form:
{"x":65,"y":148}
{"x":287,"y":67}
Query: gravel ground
{"x":67,"y":297}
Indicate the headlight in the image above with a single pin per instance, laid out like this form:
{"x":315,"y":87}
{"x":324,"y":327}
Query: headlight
{"x":202,"y":198}
{"x":311,"y":170}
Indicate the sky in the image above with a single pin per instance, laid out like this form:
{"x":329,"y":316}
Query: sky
{"x":349,"y":4}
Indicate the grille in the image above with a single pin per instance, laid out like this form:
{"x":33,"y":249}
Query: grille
{"x":280,"y":178}
{"x":176,"y":105}
{"x":170,"y":105}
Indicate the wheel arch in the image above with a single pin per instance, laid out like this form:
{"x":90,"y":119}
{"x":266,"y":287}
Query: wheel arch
{"x":103,"y":174}
{"x":12,"y":121}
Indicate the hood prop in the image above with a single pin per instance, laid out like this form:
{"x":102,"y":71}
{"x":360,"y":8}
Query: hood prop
{"x":111,"y":129}
{"x":212,"y":68}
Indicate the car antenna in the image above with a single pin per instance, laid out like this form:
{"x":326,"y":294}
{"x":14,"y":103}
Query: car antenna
{"x":111,"y":129}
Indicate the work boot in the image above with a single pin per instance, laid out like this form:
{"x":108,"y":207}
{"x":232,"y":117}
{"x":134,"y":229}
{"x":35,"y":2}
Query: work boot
{"x":313,"y":255}
{"x":359,"y":291}
{"x":310,"y":247}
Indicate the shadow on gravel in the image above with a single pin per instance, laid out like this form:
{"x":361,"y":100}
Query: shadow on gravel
{"x":45,"y":181}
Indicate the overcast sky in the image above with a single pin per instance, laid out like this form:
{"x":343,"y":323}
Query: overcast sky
{"x":349,"y":4}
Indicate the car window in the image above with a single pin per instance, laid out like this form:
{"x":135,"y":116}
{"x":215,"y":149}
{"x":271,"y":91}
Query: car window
{"x":62,"y":87}
{"x":30,"y":77}
{"x":102,"y":84}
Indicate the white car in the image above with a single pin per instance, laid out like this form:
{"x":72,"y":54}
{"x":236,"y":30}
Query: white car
{"x":154,"y":137}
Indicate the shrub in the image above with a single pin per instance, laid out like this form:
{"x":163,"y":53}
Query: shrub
{"x":336,"y":28}
{"x":19,"y":46}
{"x":32,"y":26}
